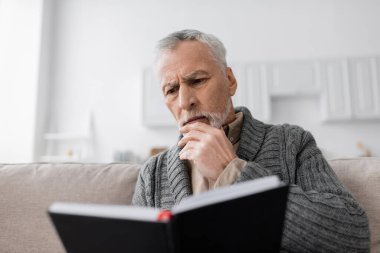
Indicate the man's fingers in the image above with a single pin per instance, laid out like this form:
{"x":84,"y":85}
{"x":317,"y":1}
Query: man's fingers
{"x":198,"y":126}
{"x":188,"y":153}
{"x":190,"y":136}
{"x":189,"y":145}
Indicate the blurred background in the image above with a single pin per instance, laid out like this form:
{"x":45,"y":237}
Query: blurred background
{"x":76,"y":85}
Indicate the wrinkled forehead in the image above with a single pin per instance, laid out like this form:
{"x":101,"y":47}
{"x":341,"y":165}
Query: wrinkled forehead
{"x":187,"y":57}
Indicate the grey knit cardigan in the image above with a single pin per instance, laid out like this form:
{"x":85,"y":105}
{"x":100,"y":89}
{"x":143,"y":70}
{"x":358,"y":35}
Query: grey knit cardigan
{"x":321,"y":214}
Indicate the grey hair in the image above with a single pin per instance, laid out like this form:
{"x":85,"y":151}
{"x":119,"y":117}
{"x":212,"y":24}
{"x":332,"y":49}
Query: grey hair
{"x":171,"y":41}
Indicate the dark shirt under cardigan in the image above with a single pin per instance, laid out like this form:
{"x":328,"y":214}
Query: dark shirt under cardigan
{"x":321,"y":215}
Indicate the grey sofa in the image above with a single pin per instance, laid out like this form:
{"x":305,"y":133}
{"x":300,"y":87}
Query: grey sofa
{"x":26,"y":191}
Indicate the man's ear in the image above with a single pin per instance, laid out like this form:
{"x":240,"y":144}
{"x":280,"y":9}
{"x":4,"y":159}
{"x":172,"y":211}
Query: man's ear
{"x":231,"y":81}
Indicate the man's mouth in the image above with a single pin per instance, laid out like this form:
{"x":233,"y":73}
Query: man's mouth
{"x":194,"y":119}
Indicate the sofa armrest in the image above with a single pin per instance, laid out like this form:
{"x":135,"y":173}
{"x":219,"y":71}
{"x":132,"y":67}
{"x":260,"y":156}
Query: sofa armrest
{"x":361,"y":176}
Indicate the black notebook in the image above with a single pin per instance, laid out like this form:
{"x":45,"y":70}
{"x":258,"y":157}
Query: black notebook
{"x":244,"y":217}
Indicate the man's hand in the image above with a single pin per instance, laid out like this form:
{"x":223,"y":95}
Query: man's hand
{"x":208,"y":147}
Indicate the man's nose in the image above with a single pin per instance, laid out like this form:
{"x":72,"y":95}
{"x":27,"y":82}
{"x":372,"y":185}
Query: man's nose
{"x":187,"y":99}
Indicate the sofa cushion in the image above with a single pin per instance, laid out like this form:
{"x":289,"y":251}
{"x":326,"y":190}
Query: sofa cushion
{"x":362,"y":177}
{"x":27,"y":190}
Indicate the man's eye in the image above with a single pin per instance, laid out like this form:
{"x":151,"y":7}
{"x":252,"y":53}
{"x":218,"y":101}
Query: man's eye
{"x":198,"y":81}
{"x":171,"y":91}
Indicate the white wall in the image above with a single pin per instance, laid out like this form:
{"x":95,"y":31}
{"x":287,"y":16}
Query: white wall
{"x":101,"y":46}
{"x":20,"y":28}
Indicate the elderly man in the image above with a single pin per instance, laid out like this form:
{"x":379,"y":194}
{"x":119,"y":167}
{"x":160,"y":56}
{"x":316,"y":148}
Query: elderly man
{"x":221,"y":145}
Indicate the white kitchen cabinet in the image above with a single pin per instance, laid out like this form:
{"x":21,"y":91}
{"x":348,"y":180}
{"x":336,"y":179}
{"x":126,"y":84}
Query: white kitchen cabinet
{"x":351,"y":89}
{"x":293,"y":78}
{"x":258,"y":98}
{"x":365,"y":87}
{"x":336,"y":93}
{"x":252,"y":90}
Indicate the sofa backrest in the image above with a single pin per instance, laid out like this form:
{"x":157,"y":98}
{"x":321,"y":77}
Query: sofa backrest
{"x":27,"y":190}
{"x":362,"y":177}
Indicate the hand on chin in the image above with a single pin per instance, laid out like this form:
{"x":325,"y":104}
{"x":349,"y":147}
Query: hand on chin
{"x":207,"y":146}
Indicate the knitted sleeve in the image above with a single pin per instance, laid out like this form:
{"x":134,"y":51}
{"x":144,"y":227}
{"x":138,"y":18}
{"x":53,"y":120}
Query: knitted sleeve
{"x":321,"y":214}
{"x":139,"y":197}
{"x":143,"y":195}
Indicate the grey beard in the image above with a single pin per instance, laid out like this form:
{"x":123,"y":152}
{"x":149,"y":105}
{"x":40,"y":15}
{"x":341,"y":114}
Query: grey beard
{"x":216,"y":119}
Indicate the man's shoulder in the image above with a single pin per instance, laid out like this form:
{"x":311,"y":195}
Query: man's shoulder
{"x":294,"y":138}
{"x":286,"y":130}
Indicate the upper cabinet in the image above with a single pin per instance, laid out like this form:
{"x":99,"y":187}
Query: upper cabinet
{"x":335,"y":92}
{"x":253,"y":91}
{"x":365,"y":88}
{"x":293,"y":78}
{"x":351,"y":89}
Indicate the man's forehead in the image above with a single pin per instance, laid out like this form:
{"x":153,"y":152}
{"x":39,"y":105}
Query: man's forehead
{"x":173,"y":76}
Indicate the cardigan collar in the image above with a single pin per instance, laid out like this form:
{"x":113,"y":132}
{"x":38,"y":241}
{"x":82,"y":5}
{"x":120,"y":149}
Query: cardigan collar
{"x":251,"y":139}
{"x":251,"y":136}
